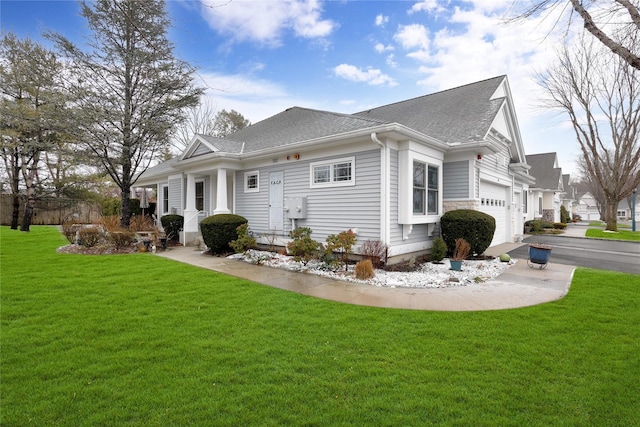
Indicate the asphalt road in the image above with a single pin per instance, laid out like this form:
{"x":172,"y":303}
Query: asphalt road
{"x":592,"y":253}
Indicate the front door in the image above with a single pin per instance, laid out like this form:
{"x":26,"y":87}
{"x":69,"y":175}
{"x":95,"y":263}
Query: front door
{"x":276,"y":201}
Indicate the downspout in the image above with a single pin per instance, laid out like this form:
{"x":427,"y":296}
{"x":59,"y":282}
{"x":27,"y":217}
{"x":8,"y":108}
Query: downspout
{"x":384,"y":194}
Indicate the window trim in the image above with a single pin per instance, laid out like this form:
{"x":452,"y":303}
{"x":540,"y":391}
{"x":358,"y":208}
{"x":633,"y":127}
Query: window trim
{"x":199,"y":181}
{"x":165,"y":200}
{"x":332,"y":163}
{"x":247,"y":175}
{"x":405,"y":186}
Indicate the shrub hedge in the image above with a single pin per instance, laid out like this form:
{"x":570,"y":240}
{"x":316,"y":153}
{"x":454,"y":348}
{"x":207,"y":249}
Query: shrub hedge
{"x":537,"y":225}
{"x":172,"y":225}
{"x":220,"y":230}
{"x":476,"y":227}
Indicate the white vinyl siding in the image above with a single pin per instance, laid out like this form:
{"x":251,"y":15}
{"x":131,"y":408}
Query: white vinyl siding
{"x":175,"y":195}
{"x":329,"y":210}
{"x":455,"y":180}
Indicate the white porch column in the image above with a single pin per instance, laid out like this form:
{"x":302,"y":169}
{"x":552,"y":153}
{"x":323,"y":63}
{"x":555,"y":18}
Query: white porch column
{"x":221,"y":193}
{"x":190,"y":211}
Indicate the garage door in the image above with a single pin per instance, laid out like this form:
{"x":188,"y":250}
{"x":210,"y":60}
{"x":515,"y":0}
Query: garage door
{"x":493,"y":201}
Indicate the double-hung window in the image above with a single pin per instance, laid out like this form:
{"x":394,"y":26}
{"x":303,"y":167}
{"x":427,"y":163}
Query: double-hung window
{"x":425,"y":189}
{"x":165,"y":199}
{"x":333,"y":173}
{"x":200,"y":195}
{"x":419,"y":184}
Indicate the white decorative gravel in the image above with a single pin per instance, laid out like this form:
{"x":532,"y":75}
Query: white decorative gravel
{"x":429,"y":275}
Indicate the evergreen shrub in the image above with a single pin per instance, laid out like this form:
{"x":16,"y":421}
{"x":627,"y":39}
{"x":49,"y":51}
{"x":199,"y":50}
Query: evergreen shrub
{"x":438,"y":250}
{"x":172,"y":225}
{"x":303,"y":248}
{"x":218,"y":231}
{"x":245,"y":241}
{"x":476,"y":227}
{"x":565,"y":217}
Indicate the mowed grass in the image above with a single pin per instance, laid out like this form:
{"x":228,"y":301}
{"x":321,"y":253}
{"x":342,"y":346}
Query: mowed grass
{"x":142,"y":340}
{"x":621,"y":234}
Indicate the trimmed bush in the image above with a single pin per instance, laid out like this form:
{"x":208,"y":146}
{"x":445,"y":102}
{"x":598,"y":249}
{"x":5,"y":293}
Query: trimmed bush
{"x":559,"y":225}
{"x":537,"y":225}
{"x":218,"y":231}
{"x":90,"y":237}
{"x":121,"y":239}
{"x":476,"y":227}
{"x":438,"y":250}
{"x":172,"y":225}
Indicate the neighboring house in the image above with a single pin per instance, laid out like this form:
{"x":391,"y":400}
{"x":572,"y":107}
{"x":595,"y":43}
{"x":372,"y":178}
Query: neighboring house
{"x":547,"y":194}
{"x":569,"y":199}
{"x":624,"y":209}
{"x":388,"y":173}
{"x":587,"y":207}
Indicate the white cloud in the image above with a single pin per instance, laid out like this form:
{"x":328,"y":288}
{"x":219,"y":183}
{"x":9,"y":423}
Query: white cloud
{"x":426,"y":6}
{"x":391,"y":60}
{"x":370,"y":76}
{"x":381,"y":20}
{"x":414,"y":37}
{"x":381,"y":48}
{"x":476,"y":44}
{"x":266,"y":21}
{"x":254,"y":98}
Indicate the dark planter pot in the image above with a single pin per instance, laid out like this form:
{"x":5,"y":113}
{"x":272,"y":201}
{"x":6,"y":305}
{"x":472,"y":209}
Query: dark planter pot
{"x":539,"y":254}
{"x":456,"y":265}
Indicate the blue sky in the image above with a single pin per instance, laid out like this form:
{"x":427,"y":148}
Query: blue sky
{"x":261,"y":57}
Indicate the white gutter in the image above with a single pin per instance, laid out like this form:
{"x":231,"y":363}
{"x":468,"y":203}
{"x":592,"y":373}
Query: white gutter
{"x":384,"y":193}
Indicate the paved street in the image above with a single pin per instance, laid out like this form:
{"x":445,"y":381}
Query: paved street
{"x":593,"y":253}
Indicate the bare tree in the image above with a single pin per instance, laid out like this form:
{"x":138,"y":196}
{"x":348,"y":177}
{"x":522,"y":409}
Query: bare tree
{"x":130,"y":89}
{"x":199,"y":119}
{"x":601,"y":95}
{"x":614,"y":22}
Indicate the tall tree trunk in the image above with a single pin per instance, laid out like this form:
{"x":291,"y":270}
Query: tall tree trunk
{"x":30,"y":171}
{"x":15,"y":216}
{"x":125,"y":207}
{"x":15,"y":189}
{"x":611,"y":215}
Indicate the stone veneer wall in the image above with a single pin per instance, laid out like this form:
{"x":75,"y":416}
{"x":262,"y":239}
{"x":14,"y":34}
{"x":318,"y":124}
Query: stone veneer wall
{"x":451,"y":205}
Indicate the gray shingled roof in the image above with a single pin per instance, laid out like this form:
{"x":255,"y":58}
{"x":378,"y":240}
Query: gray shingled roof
{"x":222,"y":144}
{"x":461,"y":114}
{"x":543,"y":169}
{"x":296,"y":125}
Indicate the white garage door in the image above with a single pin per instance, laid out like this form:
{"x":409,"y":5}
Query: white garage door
{"x":493,"y":201}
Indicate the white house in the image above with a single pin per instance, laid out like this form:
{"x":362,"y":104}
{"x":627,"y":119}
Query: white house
{"x":547,"y":194}
{"x":387,"y":173}
{"x":587,"y":207}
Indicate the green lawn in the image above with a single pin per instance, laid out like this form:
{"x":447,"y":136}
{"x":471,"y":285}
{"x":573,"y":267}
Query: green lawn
{"x":142,"y":340}
{"x":618,"y":235}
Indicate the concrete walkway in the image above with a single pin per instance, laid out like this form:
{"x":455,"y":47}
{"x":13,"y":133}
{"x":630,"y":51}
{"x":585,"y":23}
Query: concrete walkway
{"x":518,"y":286}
